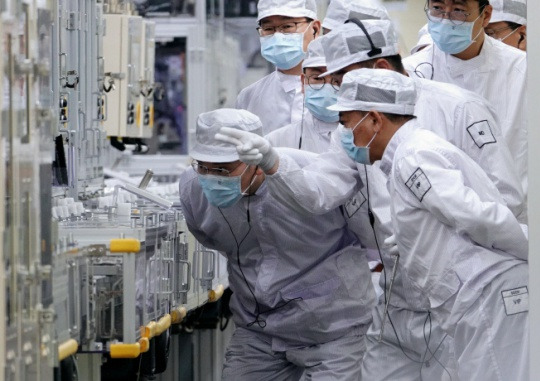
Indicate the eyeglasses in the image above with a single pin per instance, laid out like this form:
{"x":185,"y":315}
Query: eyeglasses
{"x":315,"y":82}
{"x":336,"y":80}
{"x":436,"y":14}
{"x":203,"y":170}
{"x":494,"y":32}
{"x":286,"y":28}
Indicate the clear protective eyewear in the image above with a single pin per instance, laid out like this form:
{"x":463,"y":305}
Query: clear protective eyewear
{"x":285,"y":28}
{"x":494,"y":32}
{"x":436,"y":13}
{"x":204,"y":170}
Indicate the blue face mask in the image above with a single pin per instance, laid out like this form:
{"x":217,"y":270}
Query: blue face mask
{"x":285,"y":51}
{"x":358,"y":154}
{"x":317,"y":102}
{"x":451,"y":38}
{"x":221,"y":191}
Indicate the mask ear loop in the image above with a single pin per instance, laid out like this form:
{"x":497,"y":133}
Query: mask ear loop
{"x":251,"y":183}
{"x":481,"y":29}
{"x":508,"y":35}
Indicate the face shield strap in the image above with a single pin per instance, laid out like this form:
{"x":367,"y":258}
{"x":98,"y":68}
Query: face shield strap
{"x":374,"y":50}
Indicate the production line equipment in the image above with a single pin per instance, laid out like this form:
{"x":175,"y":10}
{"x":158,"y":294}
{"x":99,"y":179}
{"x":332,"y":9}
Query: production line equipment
{"x":92,"y":274}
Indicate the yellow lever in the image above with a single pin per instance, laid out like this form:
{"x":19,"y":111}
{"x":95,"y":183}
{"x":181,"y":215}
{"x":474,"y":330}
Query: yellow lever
{"x":178,"y":314}
{"x":149,"y":330}
{"x":125,"y":351}
{"x":163,"y":324}
{"x":67,"y":348}
{"x":214,"y":295}
{"x":125,"y":245}
{"x":145,"y":344}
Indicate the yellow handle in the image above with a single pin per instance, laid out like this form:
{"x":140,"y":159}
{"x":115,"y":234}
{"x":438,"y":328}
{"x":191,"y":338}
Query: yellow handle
{"x":125,"y":351}
{"x":178,"y":314}
{"x":125,"y":245}
{"x":163,"y":324}
{"x":214,"y":295}
{"x":145,"y":344}
{"x":67,"y":348}
{"x":149,"y":330}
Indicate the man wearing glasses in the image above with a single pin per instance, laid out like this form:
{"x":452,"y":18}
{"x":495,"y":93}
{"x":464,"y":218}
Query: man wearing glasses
{"x":462,"y":55}
{"x":509,"y":22}
{"x":302,"y":296}
{"x":413,"y":347}
{"x":312,"y":132}
{"x":286,"y":27}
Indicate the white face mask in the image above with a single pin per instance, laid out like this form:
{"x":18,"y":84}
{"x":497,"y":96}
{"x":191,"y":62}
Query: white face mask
{"x":451,"y":38}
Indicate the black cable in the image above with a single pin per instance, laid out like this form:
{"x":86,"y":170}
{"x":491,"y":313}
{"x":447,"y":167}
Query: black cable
{"x":436,"y":349}
{"x":374,"y":50}
{"x":418,"y":71}
{"x":302,"y":124}
{"x":223,"y":327}
{"x":260,"y":322}
{"x":426,"y":340}
{"x":372,"y":223}
{"x":238,"y":244}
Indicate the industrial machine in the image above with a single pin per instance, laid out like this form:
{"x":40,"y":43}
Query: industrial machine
{"x":96,"y":268}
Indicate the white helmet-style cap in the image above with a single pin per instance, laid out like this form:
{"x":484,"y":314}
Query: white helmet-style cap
{"x":314,"y":55}
{"x":509,"y":10}
{"x":207,"y":148}
{"x":424,"y":39}
{"x":376,"y":89}
{"x":289,"y":8}
{"x":340,"y":11}
{"x":349,"y":44}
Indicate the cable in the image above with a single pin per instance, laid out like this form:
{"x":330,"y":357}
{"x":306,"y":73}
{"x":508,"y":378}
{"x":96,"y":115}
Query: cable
{"x":222,"y":326}
{"x":436,"y":349}
{"x":302,"y":124}
{"x":238,"y":244}
{"x":260,"y":322}
{"x":374,"y":50}
{"x":372,"y":223}
{"x":417,"y":70}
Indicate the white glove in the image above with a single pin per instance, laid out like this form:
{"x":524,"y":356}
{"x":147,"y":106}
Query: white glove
{"x":391,"y":245}
{"x":252,"y":148}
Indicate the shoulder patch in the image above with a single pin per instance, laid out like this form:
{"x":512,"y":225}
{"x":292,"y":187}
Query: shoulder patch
{"x":418,"y":184}
{"x":481,"y":133}
{"x":355,"y":203}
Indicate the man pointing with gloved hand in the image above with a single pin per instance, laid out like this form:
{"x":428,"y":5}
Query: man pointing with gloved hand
{"x":252,"y":149}
{"x":285,"y":268}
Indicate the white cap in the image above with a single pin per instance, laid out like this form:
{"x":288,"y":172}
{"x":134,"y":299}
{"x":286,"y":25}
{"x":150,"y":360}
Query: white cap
{"x":314,"y":55}
{"x":376,"y":89}
{"x":424,"y":39}
{"x":509,"y":10}
{"x":289,"y":8}
{"x":348,"y":44}
{"x":340,"y":11}
{"x":207,"y":148}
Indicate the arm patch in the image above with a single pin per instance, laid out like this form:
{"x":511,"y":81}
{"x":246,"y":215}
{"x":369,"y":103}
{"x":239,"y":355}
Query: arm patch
{"x":355,"y":203}
{"x":481,"y":133}
{"x":418,"y":184}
